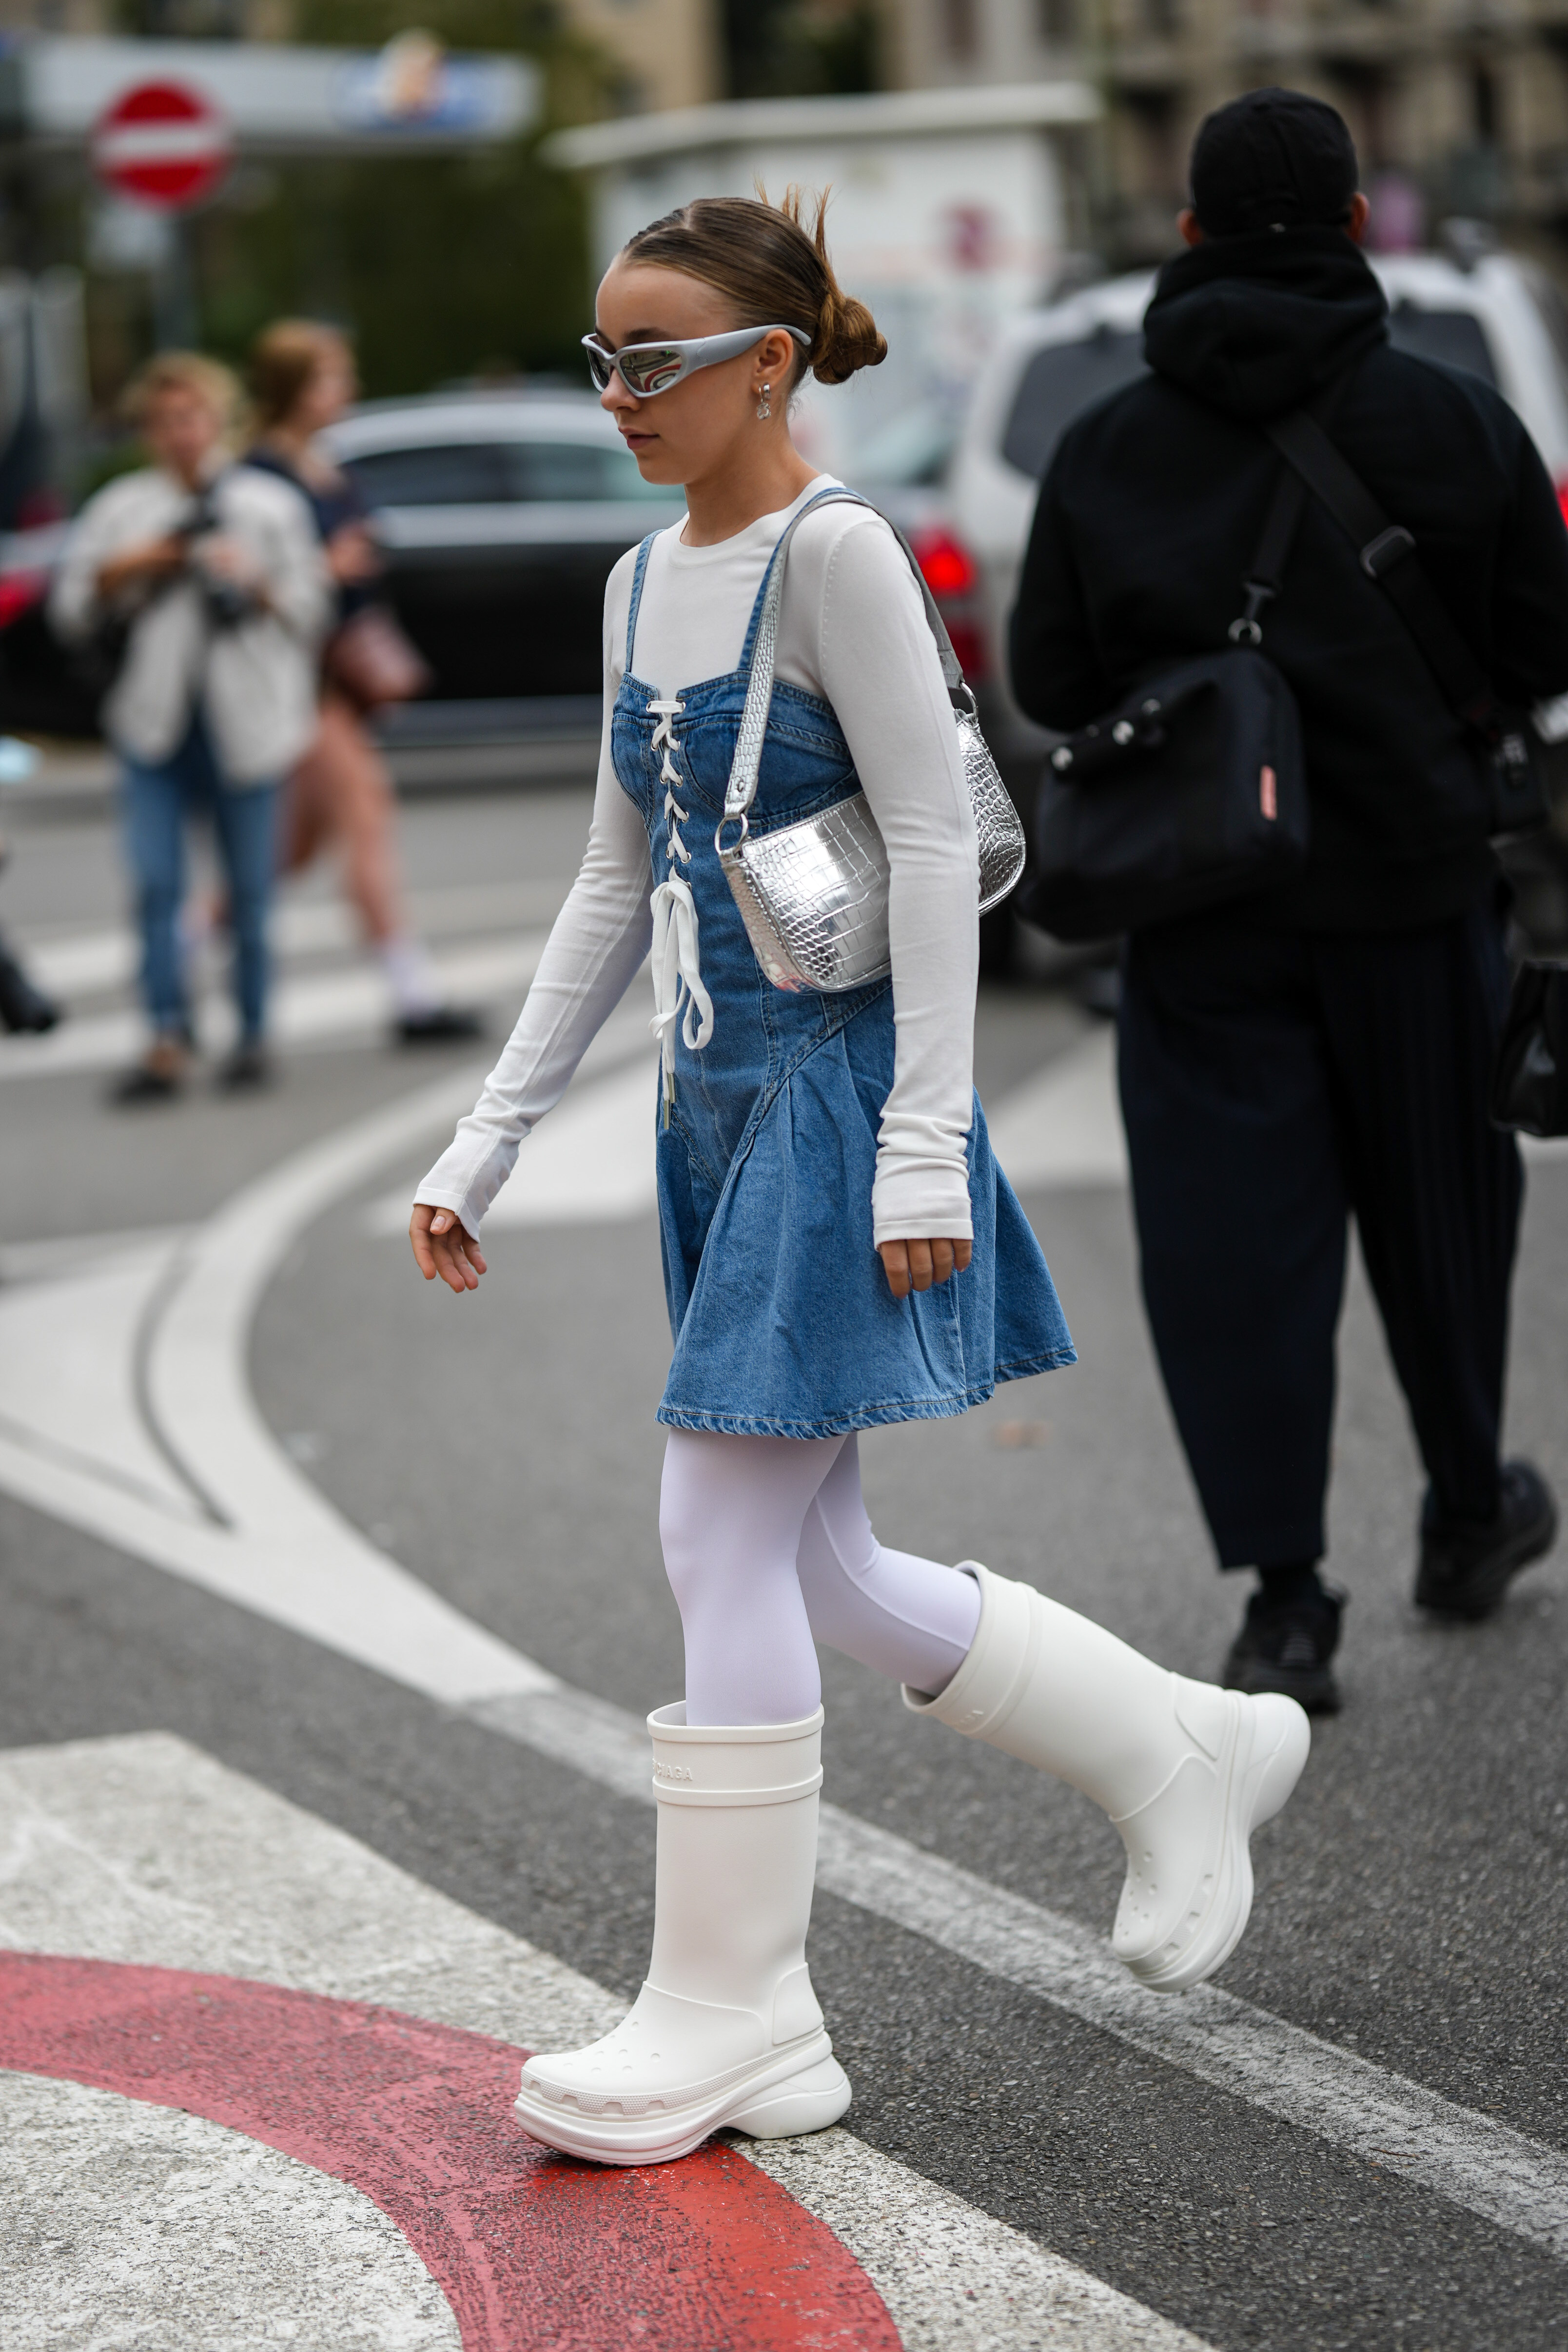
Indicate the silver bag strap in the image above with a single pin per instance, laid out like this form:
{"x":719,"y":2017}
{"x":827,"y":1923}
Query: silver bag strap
{"x":743,"y":785}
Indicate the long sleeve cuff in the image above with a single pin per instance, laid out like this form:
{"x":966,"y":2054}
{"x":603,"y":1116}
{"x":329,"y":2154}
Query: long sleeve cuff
{"x":921,"y":1188}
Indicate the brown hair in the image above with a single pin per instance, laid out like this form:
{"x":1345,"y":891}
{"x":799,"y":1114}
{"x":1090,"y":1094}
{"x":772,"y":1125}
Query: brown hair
{"x":184,"y":372}
{"x":283,"y":359}
{"x":762,"y":257}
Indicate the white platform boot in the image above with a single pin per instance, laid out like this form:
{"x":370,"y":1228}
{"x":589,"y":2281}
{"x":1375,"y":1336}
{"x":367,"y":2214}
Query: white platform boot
{"x":1185,"y":1772}
{"x":726,"y":2031}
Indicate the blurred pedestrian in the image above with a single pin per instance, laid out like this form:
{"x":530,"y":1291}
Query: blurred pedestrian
{"x":1323,"y":1052}
{"x":340,"y":794}
{"x":840,"y":1248}
{"x":205,"y":581}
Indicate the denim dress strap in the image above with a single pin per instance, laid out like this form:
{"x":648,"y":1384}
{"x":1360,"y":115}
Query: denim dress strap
{"x":638,"y":576}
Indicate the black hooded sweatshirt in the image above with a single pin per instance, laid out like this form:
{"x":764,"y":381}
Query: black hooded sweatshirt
{"x":1149,"y":517}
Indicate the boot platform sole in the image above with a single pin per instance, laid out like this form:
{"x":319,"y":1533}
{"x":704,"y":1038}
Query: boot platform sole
{"x":1263,"y":1762}
{"x":787,"y":2093}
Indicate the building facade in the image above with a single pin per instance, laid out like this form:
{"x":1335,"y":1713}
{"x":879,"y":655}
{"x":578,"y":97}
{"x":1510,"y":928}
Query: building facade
{"x":1458,"y":107}
{"x":663,"y":53}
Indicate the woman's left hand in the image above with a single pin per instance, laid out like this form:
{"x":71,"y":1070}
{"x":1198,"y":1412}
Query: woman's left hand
{"x":352,"y":555}
{"x":915,"y":1265}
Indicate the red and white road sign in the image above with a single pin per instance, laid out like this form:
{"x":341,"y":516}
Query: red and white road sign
{"x":161,"y":143}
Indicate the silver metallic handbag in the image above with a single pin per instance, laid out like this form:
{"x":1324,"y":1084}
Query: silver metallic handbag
{"x":814,"y":895}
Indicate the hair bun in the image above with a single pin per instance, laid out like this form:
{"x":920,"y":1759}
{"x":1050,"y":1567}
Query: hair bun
{"x":848,"y":338}
{"x":773,"y":270}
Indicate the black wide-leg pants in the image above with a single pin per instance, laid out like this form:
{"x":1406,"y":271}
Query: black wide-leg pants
{"x":1275,"y":1084}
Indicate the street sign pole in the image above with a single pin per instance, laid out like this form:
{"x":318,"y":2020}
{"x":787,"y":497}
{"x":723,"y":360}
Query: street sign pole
{"x":167,"y":146}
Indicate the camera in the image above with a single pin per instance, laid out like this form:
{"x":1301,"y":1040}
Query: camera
{"x":228,"y":602}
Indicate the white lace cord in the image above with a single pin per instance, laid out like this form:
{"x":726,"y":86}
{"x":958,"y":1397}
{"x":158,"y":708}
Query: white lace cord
{"x":677,"y":963}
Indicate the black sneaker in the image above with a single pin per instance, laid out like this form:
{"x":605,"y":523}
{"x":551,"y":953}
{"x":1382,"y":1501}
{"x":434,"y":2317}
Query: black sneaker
{"x":24,"y":1007}
{"x":247,"y":1069}
{"x":158,"y":1077}
{"x":1467,"y":1566}
{"x":1285,"y":1646}
{"x":443,"y":1025}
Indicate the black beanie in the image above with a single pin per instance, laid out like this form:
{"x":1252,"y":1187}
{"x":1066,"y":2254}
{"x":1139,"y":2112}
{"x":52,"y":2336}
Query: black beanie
{"x":1274,"y":158}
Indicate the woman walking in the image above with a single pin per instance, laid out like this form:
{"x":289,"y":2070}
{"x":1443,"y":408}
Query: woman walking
{"x":840,"y":1248}
{"x":210,"y":575}
{"x":302,"y":380}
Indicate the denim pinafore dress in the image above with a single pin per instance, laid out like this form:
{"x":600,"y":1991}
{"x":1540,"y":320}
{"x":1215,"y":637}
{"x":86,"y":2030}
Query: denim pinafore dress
{"x":782,"y":1322}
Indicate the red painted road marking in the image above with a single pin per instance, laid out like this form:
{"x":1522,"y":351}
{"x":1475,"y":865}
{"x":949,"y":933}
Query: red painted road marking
{"x":534,"y":2254}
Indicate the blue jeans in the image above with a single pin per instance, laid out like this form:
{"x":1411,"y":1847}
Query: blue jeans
{"x":156,"y":802}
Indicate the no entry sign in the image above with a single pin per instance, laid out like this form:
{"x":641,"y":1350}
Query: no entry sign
{"x":161,"y":143}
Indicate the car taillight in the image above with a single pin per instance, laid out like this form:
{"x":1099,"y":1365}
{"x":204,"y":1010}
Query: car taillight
{"x":19,"y":592}
{"x":1562,"y":497}
{"x":948,"y":566}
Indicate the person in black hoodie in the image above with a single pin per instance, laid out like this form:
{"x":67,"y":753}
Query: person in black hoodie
{"x":1324,"y":1051}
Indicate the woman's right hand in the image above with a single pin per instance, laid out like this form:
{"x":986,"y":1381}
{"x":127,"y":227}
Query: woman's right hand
{"x":441,"y":1246}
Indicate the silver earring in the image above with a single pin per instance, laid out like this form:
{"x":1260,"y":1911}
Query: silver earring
{"x":764,"y":407}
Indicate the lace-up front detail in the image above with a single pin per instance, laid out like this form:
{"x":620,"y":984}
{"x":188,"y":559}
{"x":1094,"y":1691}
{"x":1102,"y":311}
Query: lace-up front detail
{"x":677,"y":962}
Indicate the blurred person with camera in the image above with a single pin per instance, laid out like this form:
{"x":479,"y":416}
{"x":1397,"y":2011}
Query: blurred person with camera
{"x":302,"y":381}
{"x":1318,"y":1046}
{"x":199,"y":584}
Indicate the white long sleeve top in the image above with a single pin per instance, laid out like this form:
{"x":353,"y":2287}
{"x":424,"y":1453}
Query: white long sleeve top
{"x":852,"y":629}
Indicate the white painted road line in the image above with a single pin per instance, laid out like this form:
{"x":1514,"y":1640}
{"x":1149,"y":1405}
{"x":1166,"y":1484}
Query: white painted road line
{"x":73,"y":965}
{"x":332,"y":1008}
{"x":590,"y":1163}
{"x":127,"y":2224}
{"x":286,"y":1553}
{"x":260,"y":1536}
{"x":145,"y":1850}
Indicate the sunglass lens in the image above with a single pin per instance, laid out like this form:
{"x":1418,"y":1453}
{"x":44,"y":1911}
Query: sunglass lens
{"x":599,"y":366}
{"x":651,"y":367}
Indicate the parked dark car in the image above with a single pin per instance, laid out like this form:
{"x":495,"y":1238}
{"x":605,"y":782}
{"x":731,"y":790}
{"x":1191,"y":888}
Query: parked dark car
{"x":501,"y":516}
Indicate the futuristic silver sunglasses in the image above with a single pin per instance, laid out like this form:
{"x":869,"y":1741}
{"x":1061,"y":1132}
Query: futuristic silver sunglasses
{"x":647,"y":368}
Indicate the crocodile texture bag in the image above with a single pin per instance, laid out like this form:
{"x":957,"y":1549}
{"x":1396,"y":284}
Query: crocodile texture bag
{"x":814,"y":895}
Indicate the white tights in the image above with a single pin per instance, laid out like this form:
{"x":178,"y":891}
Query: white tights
{"x":769,"y":1551}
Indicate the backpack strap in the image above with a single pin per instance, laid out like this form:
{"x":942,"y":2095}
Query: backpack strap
{"x":1388,"y":556}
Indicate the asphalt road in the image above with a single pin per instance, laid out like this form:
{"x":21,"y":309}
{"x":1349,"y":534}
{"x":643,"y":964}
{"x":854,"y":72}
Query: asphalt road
{"x":1411,"y":1904}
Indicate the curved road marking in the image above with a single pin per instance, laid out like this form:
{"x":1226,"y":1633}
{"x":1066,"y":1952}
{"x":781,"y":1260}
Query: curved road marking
{"x":143,"y":1849}
{"x":289,"y":1555}
{"x":531,"y":2252}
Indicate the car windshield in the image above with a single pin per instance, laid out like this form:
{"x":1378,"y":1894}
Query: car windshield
{"x":1064,"y":379}
{"x":499,"y":473}
{"x":1455,"y":338}
{"x":1060,"y":383}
